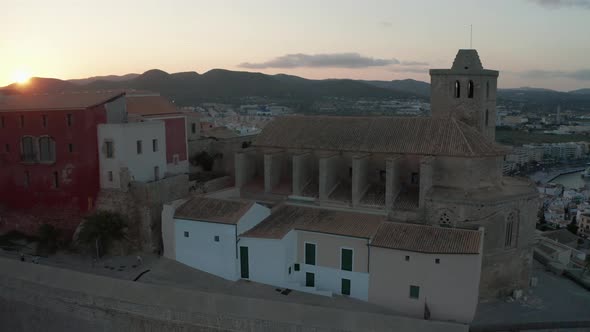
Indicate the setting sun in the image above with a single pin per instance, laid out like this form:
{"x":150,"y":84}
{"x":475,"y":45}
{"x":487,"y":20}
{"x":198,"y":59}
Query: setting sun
{"x":21,"y":77}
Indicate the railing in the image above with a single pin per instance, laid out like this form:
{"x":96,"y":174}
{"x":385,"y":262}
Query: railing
{"x":28,"y":157}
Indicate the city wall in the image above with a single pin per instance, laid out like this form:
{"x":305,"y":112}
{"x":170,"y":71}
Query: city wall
{"x":43,"y":298}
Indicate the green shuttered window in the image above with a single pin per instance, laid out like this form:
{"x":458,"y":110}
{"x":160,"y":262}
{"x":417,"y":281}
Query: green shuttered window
{"x":310,"y":253}
{"x":346,"y":259}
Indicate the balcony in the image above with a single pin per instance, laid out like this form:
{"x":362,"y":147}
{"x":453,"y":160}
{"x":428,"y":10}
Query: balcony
{"x":28,"y":157}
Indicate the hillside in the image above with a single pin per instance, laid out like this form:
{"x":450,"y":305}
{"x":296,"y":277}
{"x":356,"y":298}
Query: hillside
{"x":419,"y":88}
{"x":188,"y":88}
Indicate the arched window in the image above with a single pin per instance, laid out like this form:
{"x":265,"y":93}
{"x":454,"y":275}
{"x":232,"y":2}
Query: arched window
{"x":470,"y":89}
{"x":488,"y":89}
{"x":457,"y":89}
{"x":511,"y":230}
{"x":27,"y":149}
{"x":46,"y":149}
{"x":487,"y":118}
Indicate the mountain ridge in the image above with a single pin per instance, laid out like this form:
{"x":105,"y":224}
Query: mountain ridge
{"x":221,"y":85}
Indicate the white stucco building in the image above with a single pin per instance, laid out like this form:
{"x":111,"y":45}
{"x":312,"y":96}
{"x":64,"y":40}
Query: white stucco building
{"x":203,"y":232}
{"x":131,"y":151}
{"x":401,"y":266}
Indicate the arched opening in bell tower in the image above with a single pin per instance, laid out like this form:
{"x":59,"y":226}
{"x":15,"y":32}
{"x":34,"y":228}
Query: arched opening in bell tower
{"x":457,"y":89}
{"x":470,"y":89}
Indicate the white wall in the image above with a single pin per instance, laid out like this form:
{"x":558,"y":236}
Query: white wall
{"x":201,"y":252}
{"x":255,"y":215}
{"x":124,"y":137}
{"x":329,"y":279}
{"x":168,"y":228}
{"x":450,"y":289}
{"x":266,"y":260}
{"x":181,"y":167}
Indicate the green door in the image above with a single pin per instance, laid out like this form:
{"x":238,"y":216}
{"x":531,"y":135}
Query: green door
{"x":309,"y":279}
{"x":345,"y":289}
{"x":244,"y":262}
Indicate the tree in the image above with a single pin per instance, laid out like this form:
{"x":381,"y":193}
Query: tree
{"x":573,"y":227}
{"x":100,"y":229}
{"x":205,"y":160}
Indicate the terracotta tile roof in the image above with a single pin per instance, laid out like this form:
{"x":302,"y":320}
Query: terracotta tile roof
{"x":213,"y":210}
{"x":427,"y":239}
{"x":288,"y":217}
{"x":149,"y":105}
{"x":415,"y":135}
{"x":57,"y":101}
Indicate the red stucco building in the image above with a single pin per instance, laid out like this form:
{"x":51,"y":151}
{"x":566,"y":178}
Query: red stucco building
{"x":49,"y":170}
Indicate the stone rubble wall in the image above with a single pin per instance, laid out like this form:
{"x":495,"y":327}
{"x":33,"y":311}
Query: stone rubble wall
{"x":142,"y":205}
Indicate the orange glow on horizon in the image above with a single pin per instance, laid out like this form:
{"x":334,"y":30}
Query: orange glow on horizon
{"x":21,"y":77}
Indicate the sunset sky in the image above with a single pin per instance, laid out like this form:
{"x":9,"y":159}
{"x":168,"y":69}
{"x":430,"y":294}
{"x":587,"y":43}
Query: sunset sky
{"x":540,"y":43}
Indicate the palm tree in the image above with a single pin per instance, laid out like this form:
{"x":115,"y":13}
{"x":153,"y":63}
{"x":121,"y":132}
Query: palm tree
{"x":101,"y":228}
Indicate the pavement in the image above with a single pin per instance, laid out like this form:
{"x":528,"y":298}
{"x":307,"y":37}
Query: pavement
{"x":163,"y":271}
{"x":555,"y":298}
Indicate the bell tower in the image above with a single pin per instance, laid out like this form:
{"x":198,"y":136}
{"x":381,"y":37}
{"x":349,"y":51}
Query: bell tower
{"x":466,"y":92}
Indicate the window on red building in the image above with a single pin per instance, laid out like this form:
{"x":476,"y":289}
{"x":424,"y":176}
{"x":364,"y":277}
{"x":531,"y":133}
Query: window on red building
{"x":1,"y":122}
{"x":27,"y":149}
{"x":69,"y":120}
{"x":22,"y":121}
{"x":44,"y":117}
{"x":7,"y":147}
{"x":46,"y":149}
{"x":27,"y":179}
{"x":70,"y":147}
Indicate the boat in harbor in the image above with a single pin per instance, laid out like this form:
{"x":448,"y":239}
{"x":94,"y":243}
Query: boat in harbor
{"x":586,"y":172}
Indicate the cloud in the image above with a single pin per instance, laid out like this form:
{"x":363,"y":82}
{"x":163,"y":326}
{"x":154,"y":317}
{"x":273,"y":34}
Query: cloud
{"x":338,"y":60}
{"x":555,"y":4}
{"x":413,"y":63}
{"x":385,"y":24}
{"x":580,"y":74}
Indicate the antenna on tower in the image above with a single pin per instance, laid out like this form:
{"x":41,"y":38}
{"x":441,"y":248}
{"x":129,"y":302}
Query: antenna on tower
{"x":471,"y":36}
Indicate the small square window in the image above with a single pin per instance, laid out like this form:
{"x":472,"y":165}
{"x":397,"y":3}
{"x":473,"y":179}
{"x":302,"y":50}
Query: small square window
{"x":414,"y":292}
{"x":185,"y":234}
{"x":437,"y":261}
{"x":216,"y":238}
{"x":407,"y":258}
{"x":296,"y":266}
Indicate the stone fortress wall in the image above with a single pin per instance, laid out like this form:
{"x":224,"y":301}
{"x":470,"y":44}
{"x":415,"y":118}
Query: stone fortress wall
{"x":43,"y":298}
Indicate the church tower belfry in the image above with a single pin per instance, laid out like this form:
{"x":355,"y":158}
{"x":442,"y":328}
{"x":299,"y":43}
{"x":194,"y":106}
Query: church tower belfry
{"x":466,"y":92}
